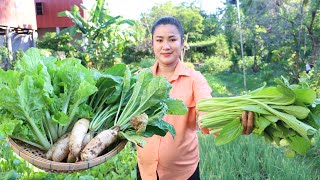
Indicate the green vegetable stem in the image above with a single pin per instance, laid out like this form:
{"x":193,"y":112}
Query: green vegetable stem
{"x":282,"y":113}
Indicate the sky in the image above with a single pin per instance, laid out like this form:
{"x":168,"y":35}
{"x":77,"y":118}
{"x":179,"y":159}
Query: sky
{"x":131,"y":9}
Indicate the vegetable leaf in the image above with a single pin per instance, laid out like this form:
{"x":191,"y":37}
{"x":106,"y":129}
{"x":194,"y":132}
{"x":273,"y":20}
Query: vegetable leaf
{"x":230,"y":132}
{"x":159,"y":128}
{"x":176,"y":107}
{"x":299,"y":144}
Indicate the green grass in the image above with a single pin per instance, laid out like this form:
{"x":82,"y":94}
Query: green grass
{"x":232,"y":84}
{"x":249,"y":157}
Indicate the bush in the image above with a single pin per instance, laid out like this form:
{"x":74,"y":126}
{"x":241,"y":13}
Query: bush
{"x":58,"y":43}
{"x":189,"y":65}
{"x":4,"y":58}
{"x":135,"y":54}
{"x":147,"y":62}
{"x":215,"y":65}
{"x":314,"y":78}
{"x":17,"y":56}
{"x":197,"y":57}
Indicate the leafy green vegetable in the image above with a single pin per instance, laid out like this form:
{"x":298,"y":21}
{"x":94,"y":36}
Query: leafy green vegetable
{"x":282,"y":112}
{"x":230,"y":132}
{"x":134,"y":95}
{"x":42,"y":99}
{"x":150,"y":95}
{"x":46,"y":96}
{"x":176,"y":107}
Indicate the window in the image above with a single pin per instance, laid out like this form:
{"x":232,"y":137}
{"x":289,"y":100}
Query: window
{"x":233,"y":1}
{"x":39,"y":8}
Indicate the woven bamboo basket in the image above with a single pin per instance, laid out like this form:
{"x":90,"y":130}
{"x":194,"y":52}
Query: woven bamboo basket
{"x":37,"y":157}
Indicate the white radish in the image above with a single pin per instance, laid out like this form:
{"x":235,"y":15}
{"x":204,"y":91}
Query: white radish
{"x":87,"y":138}
{"x":71,"y":158}
{"x":53,"y":147}
{"x":139,"y":122}
{"x":98,"y":144}
{"x":50,"y":152}
{"x":61,"y":150}
{"x":78,"y":132}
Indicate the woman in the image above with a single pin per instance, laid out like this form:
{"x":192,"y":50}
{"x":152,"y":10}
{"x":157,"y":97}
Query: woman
{"x":167,"y":158}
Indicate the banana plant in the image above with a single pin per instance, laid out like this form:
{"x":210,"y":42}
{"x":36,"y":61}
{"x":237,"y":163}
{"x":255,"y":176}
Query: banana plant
{"x":103,"y":37}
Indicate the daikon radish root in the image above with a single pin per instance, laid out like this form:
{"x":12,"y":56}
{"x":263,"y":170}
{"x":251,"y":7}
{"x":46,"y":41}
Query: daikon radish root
{"x":77,"y":134}
{"x":139,"y":122}
{"x":53,"y":147}
{"x":50,"y":152}
{"x":71,"y":158}
{"x":99,"y":143}
{"x":87,"y":138}
{"x":61,"y":150}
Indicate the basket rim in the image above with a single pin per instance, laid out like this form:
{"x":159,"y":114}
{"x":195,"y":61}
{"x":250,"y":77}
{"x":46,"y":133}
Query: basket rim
{"x":53,"y":166}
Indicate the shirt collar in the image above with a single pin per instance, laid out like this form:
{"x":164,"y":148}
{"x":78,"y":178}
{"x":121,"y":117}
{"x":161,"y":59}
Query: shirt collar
{"x":180,"y":70}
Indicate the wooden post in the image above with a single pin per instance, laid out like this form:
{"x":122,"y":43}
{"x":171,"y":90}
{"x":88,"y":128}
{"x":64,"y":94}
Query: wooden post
{"x":9,"y":47}
{"x":185,"y":47}
{"x":34,"y":38}
{"x":241,"y":45}
{"x":57,"y":30}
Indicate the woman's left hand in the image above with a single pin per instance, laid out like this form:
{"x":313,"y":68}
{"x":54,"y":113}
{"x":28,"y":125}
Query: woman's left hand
{"x":247,"y":122}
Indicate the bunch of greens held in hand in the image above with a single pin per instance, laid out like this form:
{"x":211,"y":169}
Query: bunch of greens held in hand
{"x":42,"y":98}
{"x":287,"y":115}
{"x":129,"y":106}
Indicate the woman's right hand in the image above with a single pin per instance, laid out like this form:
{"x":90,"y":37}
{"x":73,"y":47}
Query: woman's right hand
{"x":247,"y":120}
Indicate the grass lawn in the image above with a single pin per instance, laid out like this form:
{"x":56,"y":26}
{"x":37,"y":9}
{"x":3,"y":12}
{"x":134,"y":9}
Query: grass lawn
{"x":250,"y":158}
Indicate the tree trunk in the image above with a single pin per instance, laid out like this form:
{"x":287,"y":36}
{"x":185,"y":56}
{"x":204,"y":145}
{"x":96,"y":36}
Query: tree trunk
{"x":298,"y":61}
{"x":255,"y":66}
{"x":315,"y":50}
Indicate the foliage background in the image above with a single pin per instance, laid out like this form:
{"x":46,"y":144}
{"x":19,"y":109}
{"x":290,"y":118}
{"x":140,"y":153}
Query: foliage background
{"x":280,"y":38}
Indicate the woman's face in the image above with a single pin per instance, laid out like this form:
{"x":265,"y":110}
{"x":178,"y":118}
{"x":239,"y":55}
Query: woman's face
{"x":167,"y":44}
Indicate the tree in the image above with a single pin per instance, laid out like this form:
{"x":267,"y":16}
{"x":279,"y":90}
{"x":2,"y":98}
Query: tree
{"x":190,"y":18}
{"x":275,"y":32}
{"x":212,"y":25}
{"x":228,"y":22}
{"x":313,"y":26}
{"x":104,"y":37}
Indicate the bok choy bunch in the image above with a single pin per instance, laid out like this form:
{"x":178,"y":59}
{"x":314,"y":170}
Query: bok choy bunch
{"x":287,"y":115}
{"x":134,"y":104}
{"x":129,"y":106}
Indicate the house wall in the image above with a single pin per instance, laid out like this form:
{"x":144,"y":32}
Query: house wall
{"x":51,"y":8}
{"x":18,"y":14}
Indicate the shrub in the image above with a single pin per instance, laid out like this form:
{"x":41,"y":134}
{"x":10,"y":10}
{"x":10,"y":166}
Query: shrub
{"x":314,"y":79}
{"x":17,"y":55}
{"x":147,"y":62}
{"x":58,"y":43}
{"x":189,"y":65}
{"x":197,"y":57}
{"x":4,"y":58}
{"x":135,"y":54}
{"x":215,"y":65}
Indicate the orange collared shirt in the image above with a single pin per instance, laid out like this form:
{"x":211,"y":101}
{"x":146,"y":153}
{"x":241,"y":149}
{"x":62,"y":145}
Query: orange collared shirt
{"x":178,"y":157}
